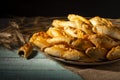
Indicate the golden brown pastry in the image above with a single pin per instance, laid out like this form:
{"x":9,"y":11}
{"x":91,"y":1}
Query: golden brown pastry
{"x":62,"y":39}
{"x":81,"y":23}
{"x":98,"y":21}
{"x":26,"y":50}
{"x":104,"y":26}
{"x":76,"y":21}
{"x":62,"y":51}
{"x":74,"y":32}
{"x":73,"y":17}
{"x":58,"y":36}
{"x":81,"y":44}
{"x":65,"y":52}
{"x":114,"y":53}
{"x":56,"y":50}
{"x":98,"y":54}
{"x":39,"y":40}
{"x":55,"y":32}
{"x":84,"y":27}
{"x":73,"y":54}
{"x":62,"y":23}
{"x":102,"y":41}
{"x":77,"y":39}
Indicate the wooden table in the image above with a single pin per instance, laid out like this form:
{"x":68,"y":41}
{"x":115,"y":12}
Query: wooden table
{"x":13,"y":67}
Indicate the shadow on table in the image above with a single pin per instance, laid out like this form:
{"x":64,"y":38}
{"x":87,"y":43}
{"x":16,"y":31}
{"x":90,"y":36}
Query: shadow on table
{"x":34,"y":53}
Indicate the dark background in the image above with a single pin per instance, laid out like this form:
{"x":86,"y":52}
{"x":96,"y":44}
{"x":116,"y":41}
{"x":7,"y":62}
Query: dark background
{"x":87,"y":8}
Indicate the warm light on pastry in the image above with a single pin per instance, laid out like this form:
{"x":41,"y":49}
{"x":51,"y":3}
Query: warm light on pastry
{"x":79,"y":38}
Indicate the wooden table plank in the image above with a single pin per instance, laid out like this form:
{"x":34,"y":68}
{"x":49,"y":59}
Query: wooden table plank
{"x":8,"y":53}
{"x":13,"y":67}
{"x":38,"y":75}
{"x":33,"y":64}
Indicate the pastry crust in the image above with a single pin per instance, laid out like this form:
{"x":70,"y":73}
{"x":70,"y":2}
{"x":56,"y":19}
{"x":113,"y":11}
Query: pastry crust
{"x":98,"y":54}
{"x":77,"y":38}
{"x":102,"y":41}
{"x":40,"y":40}
{"x":114,"y":53}
{"x":105,"y":26}
{"x":26,"y":50}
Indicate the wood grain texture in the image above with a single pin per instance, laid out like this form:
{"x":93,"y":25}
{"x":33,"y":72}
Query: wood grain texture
{"x":13,"y":67}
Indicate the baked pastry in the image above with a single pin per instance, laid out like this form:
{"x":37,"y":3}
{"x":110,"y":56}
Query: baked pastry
{"x":114,"y":53}
{"x":103,"y":41}
{"x":98,"y":54}
{"x":77,"y":38}
{"x":104,"y":26}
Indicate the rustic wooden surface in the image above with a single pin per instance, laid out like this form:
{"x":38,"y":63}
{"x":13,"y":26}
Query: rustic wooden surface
{"x":13,"y":67}
{"x":30,"y":25}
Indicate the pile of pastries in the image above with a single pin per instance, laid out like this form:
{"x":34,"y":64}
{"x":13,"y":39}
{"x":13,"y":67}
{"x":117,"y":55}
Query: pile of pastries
{"x":77,"y":38}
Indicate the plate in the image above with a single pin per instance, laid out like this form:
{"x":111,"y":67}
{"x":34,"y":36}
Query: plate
{"x":83,"y":63}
